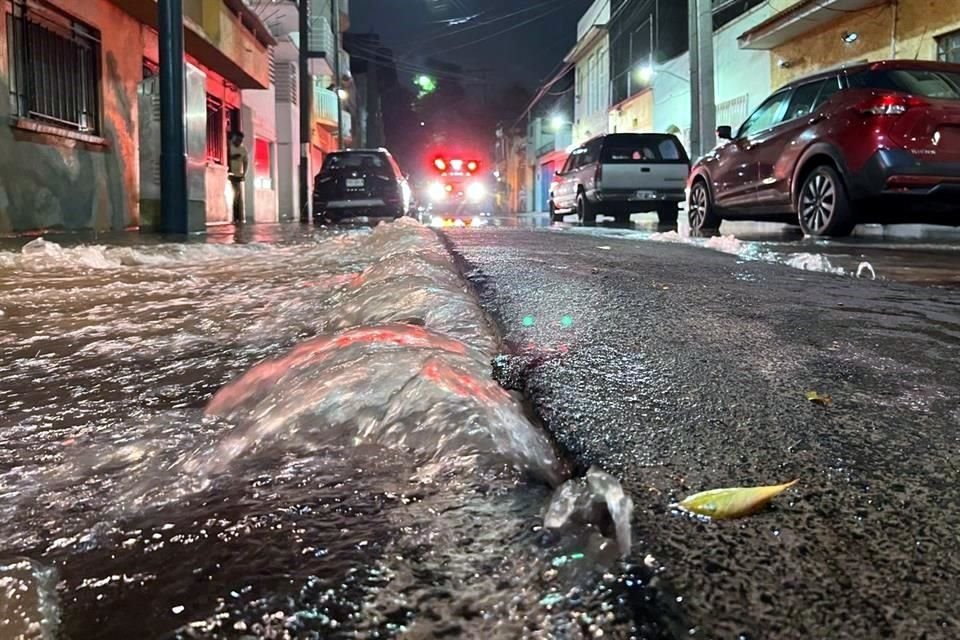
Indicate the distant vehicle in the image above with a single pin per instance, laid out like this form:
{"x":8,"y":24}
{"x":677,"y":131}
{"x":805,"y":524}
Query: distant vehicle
{"x":622,"y":173}
{"x":361,"y":182}
{"x":877,"y":142}
{"x":457,"y":192}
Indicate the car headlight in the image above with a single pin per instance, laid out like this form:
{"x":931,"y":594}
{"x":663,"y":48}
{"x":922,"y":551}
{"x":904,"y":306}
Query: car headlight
{"x":436,"y":191}
{"x":476,"y":192}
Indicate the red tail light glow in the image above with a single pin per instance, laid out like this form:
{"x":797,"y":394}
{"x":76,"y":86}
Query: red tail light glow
{"x":456,"y":165}
{"x":472,"y":166}
{"x":440,"y":164}
{"x":891,"y":104}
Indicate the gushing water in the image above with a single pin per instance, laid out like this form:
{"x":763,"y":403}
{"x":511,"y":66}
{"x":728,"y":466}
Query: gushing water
{"x":300,"y":439}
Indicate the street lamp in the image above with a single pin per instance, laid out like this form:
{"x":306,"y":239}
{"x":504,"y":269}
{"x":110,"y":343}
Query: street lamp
{"x":557,"y":121}
{"x":645,"y":74}
{"x":342,"y":94}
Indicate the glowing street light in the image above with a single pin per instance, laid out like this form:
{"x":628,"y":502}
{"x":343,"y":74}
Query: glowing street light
{"x":557,"y":122}
{"x":426,"y":83}
{"x":644,"y":74}
{"x":342,"y":93}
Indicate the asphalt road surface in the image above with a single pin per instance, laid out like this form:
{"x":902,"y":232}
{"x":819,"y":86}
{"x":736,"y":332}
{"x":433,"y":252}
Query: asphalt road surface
{"x":680,"y":369}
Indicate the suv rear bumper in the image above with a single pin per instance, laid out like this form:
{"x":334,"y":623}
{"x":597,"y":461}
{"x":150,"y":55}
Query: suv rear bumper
{"x":626,"y":196}
{"x":893,"y":172}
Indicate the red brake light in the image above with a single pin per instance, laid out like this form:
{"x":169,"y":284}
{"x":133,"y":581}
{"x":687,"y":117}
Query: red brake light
{"x":456,"y":165}
{"x":598,"y":176}
{"x":472,"y":166}
{"x":891,"y":104}
{"x":440,"y":164}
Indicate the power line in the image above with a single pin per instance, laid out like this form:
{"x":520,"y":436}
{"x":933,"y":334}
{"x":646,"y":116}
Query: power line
{"x":476,"y":25}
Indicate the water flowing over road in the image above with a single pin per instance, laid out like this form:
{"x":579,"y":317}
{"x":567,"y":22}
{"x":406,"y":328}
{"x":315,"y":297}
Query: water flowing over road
{"x":298,"y":439}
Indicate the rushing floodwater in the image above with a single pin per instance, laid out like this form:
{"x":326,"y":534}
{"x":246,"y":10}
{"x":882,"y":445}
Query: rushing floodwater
{"x":290,"y":440}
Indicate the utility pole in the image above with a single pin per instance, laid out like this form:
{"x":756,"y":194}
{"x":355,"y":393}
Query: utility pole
{"x":708,"y":109}
{"x":694,"y":24}
{"x":703,"y":122}
{"x":173,"y":153}
{"x":306,"y":112}
{"x":335,"y":21}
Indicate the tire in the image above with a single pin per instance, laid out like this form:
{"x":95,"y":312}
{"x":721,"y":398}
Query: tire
{"x":823,"y":205}
{"x":667,"y":213}
{"x":700,"y":210}
{"x":554,"y":216}
{"x":622,"y":218}
{"x":586,"y":212}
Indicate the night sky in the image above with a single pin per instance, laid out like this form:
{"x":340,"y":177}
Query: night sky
{"x":524,"y":55}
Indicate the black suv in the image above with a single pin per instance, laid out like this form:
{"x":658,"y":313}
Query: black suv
{"x":362,"y":182}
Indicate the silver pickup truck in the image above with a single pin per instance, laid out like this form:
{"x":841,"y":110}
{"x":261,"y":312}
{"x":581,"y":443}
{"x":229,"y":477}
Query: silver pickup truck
{"x":622,"y":173}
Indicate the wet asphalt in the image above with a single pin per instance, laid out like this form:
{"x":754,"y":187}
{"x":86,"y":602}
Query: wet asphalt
{"x":680,"y":369}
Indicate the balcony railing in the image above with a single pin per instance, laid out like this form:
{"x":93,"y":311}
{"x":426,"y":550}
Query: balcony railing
{"x":325,"y":107}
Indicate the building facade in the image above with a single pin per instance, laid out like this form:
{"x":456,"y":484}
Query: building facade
{"x":807,"y":36}
{"x":591,"y":59}
{"x":282,"y":19}
{"x":73,"y":70}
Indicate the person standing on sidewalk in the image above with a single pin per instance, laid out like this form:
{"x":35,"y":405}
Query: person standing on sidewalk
{"x":237,"y":174}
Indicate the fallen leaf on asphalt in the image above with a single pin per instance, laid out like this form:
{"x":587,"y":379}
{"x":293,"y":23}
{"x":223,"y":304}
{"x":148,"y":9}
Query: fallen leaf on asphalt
{"x":734,"y":502}
{"x":819,"y":398}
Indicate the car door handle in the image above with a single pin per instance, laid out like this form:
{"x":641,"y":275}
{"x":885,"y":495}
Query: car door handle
{"x":815,"y":119}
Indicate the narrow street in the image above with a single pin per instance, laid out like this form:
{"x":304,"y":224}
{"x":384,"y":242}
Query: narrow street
{"x":679,"y":369}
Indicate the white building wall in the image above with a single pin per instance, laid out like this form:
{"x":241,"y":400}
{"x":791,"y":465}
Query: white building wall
{"x":592,"y":92}
{"x":741,"y":80}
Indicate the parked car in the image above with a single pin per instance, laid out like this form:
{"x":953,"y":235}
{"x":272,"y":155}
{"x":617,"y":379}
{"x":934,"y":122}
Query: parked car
{"x":622,"y":173}
{"x":362,"y":182}
{"x":877,"y":142}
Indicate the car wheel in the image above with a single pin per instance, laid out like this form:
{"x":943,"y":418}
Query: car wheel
{"x":622,"y":218}
{"x":586,"y":212}
{"x":667,"y":213}
{"x":823,"y":205}
{"x":700,"y":210}
{"x":554,"y":216}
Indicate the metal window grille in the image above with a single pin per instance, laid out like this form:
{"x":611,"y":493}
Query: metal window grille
{"x":948,"y":47}
{"x":216,"y":137}
{"x":55,"y":74}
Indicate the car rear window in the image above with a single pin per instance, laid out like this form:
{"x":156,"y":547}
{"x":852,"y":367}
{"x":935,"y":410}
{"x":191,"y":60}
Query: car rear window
{"x":927,"y":83}
{"x":369,"y":161}
{"x":643,"y":149}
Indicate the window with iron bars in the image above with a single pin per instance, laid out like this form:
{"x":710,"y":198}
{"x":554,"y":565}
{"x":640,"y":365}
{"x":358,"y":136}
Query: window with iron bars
{"x":216,"y":138}
{"x":948,"y":47}
{"x":55,"y":74}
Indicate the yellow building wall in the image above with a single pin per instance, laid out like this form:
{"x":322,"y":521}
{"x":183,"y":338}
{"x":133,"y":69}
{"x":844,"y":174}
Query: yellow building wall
{"x":907,"y":29}
{"x":634,"y":115}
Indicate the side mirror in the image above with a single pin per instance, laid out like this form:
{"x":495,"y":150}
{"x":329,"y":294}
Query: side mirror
{"x":725,"y":132}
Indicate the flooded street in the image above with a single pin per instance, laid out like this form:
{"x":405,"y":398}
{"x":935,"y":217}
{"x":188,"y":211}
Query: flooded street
{"x":293,"y":438}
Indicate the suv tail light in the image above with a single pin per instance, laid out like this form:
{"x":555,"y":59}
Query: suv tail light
{"x":890,"y":104}
{"x":598,"y":176}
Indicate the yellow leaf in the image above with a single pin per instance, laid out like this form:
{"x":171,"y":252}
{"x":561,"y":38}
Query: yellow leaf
{"x":734,"y":502}
{"x":822,"y":399}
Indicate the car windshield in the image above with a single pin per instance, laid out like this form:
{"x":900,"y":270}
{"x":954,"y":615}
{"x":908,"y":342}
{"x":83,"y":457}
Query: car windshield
{"x":643,"y":149}
{"x":927,"y":83}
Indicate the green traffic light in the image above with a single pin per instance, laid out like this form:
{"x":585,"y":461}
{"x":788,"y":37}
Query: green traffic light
{"x":528,"y":321}
{"x":566,"y":321}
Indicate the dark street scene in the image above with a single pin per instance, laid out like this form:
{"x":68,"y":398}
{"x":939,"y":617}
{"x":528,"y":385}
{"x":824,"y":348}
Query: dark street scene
{"x":540,"y":319}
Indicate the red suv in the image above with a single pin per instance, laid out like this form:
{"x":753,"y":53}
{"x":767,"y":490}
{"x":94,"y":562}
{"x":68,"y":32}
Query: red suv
{"x":877,"y":142}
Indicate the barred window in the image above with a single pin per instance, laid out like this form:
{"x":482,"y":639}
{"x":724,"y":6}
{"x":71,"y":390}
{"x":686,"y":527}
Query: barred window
{"x":216,"y":138}
{"x":55,"y":74}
